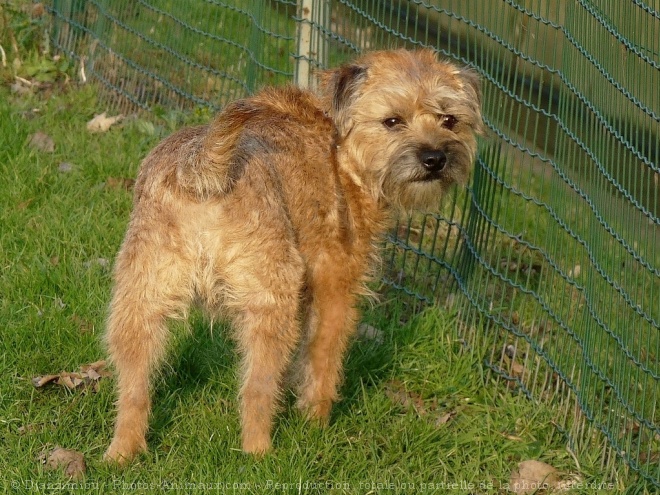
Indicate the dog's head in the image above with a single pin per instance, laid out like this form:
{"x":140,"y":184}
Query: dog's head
{"x":406,"y":123}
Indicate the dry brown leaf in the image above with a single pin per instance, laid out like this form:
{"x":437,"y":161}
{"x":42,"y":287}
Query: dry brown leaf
{"x":513,"y":438}
{"x":653,"y":458}
{"x":93,"y":375}
{"x":101,"y":122}
{"x":40,"y":381}
{"x":24,"y":204}
{"x":42,"y":142}
{"x":38,"y":10}
{"x":575,"y":272}
{"x":397,"y":393}
{"x":71,"y":461}
{"x":532,"y":476}
{"x":66,"y":167}
{"x":83,"y":325}
{"x":367,"y":332}
{"x":102,"y":262}
{"x":445,"y":418}
{"x":120,"y":183}
{"x":517,"y":369}
{"x":20,"y":89}
{"x":30,"y":428}
{"x":88,"y":378}
{"x":512,"y":385}
{"x":65,"y":379}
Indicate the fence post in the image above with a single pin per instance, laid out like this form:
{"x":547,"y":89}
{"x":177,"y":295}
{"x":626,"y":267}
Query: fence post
{"x":313,"y":17}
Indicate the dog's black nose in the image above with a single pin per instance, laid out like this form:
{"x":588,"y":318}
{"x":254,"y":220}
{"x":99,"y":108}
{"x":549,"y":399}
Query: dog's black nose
{"x":433,"y":160}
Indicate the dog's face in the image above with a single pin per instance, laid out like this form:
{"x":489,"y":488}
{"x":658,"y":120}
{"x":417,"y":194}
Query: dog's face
{"x":408,"y":122}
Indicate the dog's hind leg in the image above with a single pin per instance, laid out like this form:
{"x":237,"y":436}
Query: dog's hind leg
{"x":264,"y":284}
{"x":331,"y":321}
{"x":149,"y":289}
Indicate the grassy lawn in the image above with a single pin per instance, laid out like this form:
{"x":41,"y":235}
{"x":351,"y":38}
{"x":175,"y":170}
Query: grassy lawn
{"x":417,"y":409}
{"x":420,"y":412}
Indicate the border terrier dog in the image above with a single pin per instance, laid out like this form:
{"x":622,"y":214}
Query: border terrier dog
{"x":270,"y":217}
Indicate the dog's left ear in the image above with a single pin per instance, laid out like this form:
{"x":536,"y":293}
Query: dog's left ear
{"x":472,"y":89}
{"x":472,"y":83}
{"x":340,"y":88}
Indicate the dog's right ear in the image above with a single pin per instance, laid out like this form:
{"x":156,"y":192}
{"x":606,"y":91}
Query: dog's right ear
{"x":339,"y":89}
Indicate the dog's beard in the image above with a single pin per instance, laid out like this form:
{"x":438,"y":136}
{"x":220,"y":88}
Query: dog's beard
{"x":407,"y":184}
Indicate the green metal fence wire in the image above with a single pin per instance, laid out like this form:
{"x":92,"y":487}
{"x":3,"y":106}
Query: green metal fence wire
{"x":166,"y":54}
{"x":552,"y":254}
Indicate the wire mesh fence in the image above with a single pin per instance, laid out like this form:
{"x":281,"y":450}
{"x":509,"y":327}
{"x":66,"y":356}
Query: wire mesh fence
{"x":167,"y":54}
{"x":552,"y":254}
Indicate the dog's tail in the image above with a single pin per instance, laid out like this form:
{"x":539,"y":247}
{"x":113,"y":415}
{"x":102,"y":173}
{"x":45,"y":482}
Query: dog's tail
{"x":213,"y":166}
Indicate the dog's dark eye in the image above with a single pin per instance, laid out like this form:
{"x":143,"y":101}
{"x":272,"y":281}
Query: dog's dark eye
{"x":448,"y":121}
{"x":392,"y":122}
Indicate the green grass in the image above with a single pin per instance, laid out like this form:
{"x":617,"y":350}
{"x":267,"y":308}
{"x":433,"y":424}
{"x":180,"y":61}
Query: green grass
{"x":388,"y":428}
{"x":166,"y":53}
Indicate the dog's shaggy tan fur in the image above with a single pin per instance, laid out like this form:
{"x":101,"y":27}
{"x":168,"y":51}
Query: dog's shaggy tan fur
{"x":270,"y":216}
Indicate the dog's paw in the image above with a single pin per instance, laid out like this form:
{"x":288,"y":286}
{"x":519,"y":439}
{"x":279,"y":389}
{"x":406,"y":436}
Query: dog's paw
{"x":257,"y":445}
{"x":317,"y":412}
{"x":121,"y":452}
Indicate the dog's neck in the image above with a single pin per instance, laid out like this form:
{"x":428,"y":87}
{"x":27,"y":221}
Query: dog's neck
{"x":368,"y":212}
